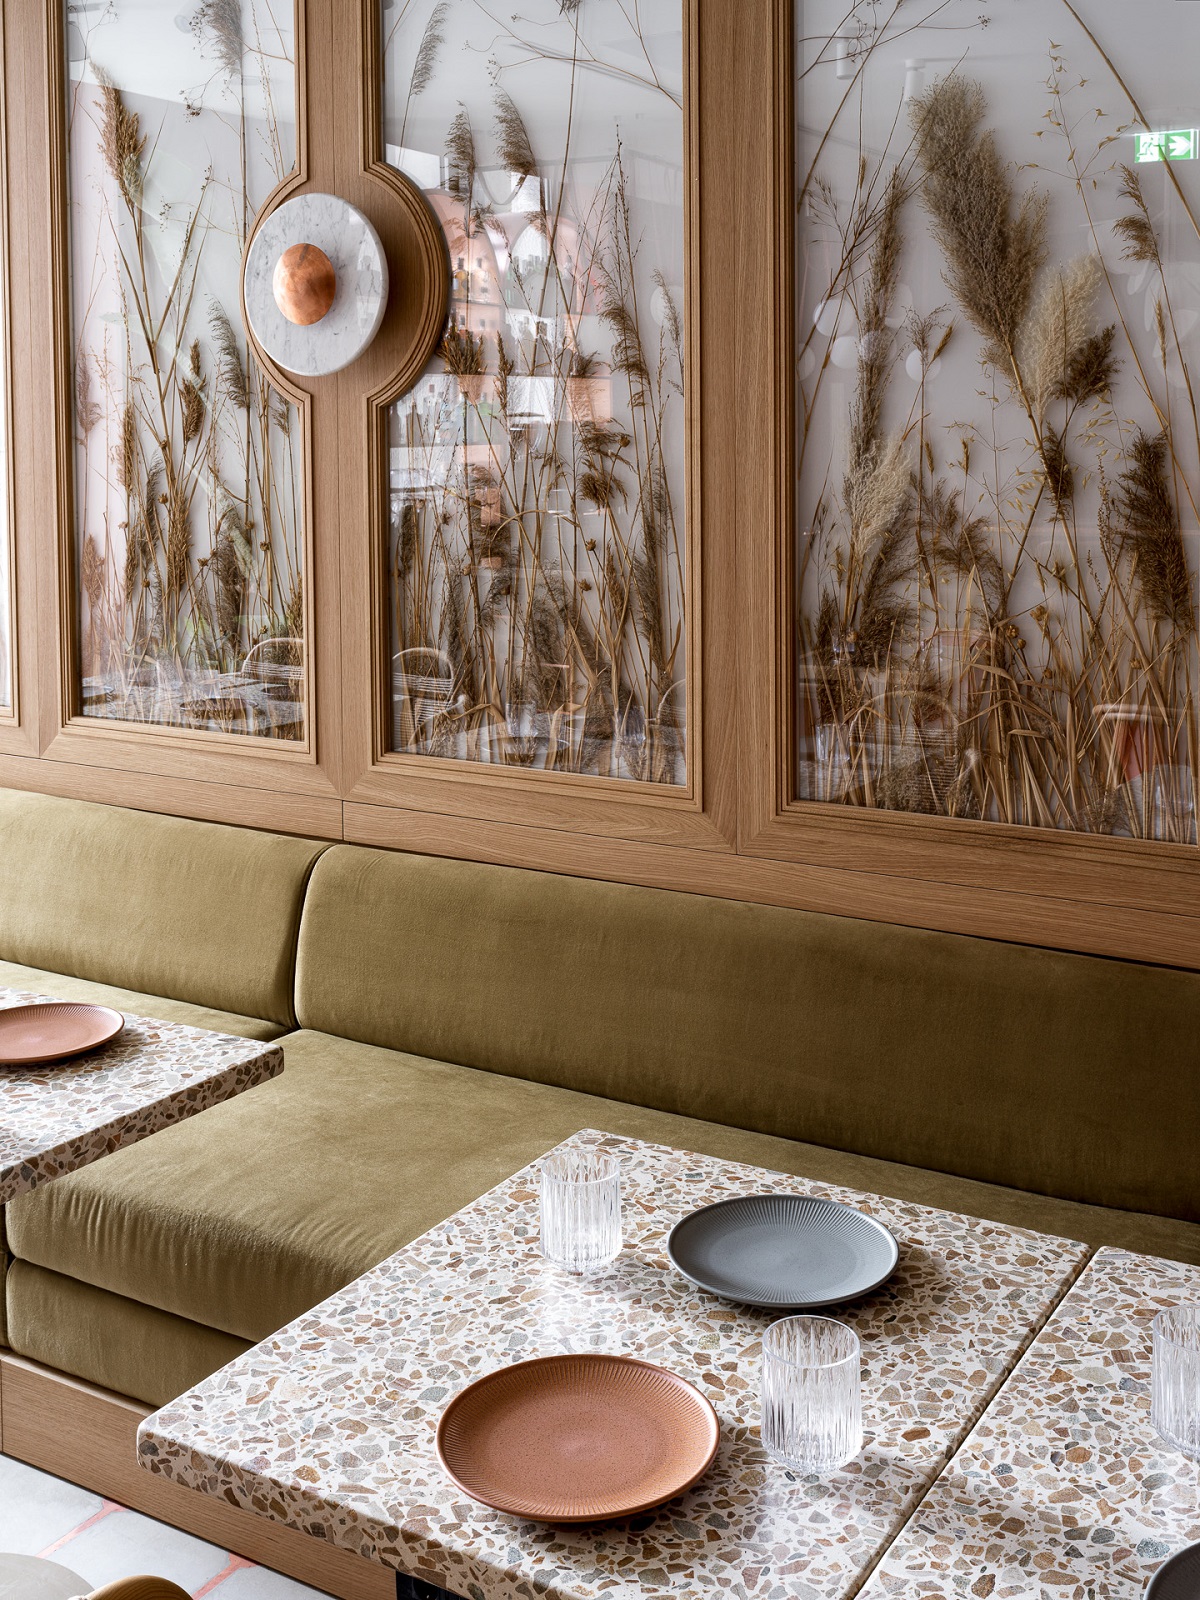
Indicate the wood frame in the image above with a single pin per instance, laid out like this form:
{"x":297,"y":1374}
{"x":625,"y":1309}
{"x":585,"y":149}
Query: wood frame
{"x":1027,"y":884}
{"x":298,"y":776}
{"x":10,"y":713}
{"x":18,"y":723}
{"x":696,"y":814}
{"x":72,"y":723}
{"x":88,"y":1436}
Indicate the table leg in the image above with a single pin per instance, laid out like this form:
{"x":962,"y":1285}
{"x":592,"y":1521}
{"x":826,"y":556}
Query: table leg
{"x":417,"y":1589}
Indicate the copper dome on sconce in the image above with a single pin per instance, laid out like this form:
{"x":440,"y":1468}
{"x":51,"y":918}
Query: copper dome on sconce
{"x":304,"y":284}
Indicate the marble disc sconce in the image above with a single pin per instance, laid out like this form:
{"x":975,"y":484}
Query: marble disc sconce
{"x":315,"y":284}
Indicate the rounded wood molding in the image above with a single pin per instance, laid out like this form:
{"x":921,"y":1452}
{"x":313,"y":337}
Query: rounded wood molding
{"x":418,"y":265}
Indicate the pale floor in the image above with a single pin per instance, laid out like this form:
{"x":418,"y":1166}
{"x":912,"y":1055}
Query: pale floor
{"x":100,"y":1540}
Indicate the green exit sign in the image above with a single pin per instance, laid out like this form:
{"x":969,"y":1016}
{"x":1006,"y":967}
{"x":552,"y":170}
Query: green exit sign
{"x":1173,"y":144}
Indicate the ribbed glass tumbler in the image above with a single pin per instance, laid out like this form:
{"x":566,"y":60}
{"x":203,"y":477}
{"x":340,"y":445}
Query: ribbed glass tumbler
{"x":1175,"y":1400}
{"x":581,"y":1210}
{"x":811,"y":1395}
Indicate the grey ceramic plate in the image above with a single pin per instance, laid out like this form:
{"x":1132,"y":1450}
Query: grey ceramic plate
{"x":783,"y":1251}
{"x":1179,"y":1578}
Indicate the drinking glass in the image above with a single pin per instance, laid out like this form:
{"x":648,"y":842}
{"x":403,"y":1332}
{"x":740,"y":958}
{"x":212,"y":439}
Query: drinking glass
{"x":581,"y":1210}
{"x":811,"y":1398}
{"x":1175,"y":1405}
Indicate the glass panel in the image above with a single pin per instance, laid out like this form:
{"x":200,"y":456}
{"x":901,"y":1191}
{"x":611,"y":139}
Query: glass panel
{"x":7,"y":599}
{"x":538,"y":466}
{"x":999,"y":458}
{"x":188,"y":465}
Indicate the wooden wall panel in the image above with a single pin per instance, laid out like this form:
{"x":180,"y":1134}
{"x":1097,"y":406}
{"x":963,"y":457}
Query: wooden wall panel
{"x":277,"y":811}
{"x":43,"y":393}
{"x":700,"y":814}
{"x":28,"y":298}
{"x":1115,"y":896}
{"x":1054,"y":921}
{"x":735,"y":830}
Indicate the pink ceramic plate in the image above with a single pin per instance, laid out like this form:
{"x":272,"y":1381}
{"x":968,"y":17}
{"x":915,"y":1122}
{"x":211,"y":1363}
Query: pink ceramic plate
{"x":53,"y":1030}
{"x":577,"y":1438}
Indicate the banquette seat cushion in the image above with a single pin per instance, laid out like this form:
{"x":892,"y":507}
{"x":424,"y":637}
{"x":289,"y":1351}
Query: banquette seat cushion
{"x":61,"y":986}
{"x":160,"y":917}
{"x":141,"y":906}
{"x":151,"y":1268}
{"x":458,"y":1020}
{"x":1061,"y":1074}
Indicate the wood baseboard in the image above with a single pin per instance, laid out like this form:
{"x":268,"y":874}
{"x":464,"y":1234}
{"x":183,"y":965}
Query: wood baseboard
{"x":86,"y":1435}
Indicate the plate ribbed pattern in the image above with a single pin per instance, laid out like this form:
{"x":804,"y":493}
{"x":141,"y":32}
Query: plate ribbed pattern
{"x":577,"y":1438}
{"x":53,"y":1030}
{"x":783,"y":1251}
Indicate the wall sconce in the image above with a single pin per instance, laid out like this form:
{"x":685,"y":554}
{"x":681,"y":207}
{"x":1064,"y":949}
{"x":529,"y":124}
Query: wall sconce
{"x":914,"y":79}
{"x":843,"y":54}
{"x":315,"y":284}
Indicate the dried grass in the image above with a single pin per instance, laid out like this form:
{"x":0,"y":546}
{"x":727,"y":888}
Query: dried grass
{"x":993,"y":243}
{"x":462,"y":351}
{"x":218,"y":23}
{"x":460,"y":157}
{"x":550,"y":578}
{"x":205,"y":557}
{"x":926,"y":688}
{"x":1135,"y":230}
{"x":1059,"y":327}
{"x":875,"y":491}
{"x":88,"y":410}
{"x":122,"y":143}
{"x":1140,"y":518}
{"x":512,"y":139}
{"x":432,"y":40}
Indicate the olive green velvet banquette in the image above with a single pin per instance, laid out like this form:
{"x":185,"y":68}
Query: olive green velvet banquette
{"x":444,"y":1022}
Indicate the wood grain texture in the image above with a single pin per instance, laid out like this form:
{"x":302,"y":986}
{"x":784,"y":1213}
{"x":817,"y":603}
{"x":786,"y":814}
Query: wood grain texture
{"x":32,"y":430}
{"x":1022,"y":861}
{"x":278,"y":811}
{"x":717,"y":315}
{"x":87,"y":1436}
{"x":593,"y":806}
{"x":203,"y":758}
{"x":46,"y":537}
{"x":699,"y":814}
{"x":1051,"y":921}
{"x":140,"y":1588}
{"x":1027,"y":884}
{"x":765,"y":505}
{"x":9,"y":712}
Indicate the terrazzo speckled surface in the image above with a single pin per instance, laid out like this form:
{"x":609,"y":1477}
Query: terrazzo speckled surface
{"x":58,"y":1117}
{"x":1063,"y":1491}
{"x":330,"y":1423}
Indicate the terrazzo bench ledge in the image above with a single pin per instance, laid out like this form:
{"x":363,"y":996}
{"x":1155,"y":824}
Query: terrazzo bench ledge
{"x":444,"y":1023}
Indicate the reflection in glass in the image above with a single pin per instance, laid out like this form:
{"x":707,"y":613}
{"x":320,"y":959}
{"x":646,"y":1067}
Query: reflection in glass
{"x":999,"y":457}
{"x":187,"y":463}
{"x":537,"y":467}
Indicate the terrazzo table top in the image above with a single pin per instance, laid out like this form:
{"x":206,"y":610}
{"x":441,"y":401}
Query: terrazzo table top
{"x":1063,"y":1491}
{"x":65,"y":1115}
{"x":329,"y":1425}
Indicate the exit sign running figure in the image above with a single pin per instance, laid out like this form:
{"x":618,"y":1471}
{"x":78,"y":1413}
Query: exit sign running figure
{"x":1173,"y":144}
